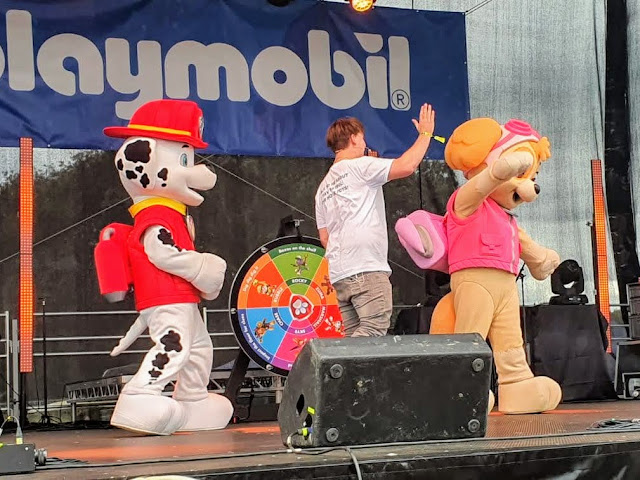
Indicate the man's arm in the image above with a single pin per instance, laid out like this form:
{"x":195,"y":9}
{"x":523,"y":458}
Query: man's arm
{"x":406,"y":164}
{"x":324,"y":236}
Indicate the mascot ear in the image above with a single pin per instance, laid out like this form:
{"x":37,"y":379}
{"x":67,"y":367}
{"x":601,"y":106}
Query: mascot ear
{"x":543,"y":149}
{"x":471,"y":142}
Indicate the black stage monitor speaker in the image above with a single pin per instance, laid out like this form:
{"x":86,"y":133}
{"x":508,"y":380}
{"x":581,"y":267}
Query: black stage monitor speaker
{"x":634,"y":326}
{"x":367,"y":390}
{"x":627,"y":382}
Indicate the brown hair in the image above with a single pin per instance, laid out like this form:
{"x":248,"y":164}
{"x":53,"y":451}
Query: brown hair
{"x":340,"y":131}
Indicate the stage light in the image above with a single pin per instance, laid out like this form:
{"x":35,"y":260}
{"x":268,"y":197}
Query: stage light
{"x":600,"y":241}
{"x":279,"y":3}
{"x":362,"y":5}
{"x":567,"y":281}
{"x":25,"y":293}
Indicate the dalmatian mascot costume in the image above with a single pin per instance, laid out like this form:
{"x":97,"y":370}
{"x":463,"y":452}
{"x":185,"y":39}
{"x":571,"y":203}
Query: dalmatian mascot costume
{"x":157,"y":258}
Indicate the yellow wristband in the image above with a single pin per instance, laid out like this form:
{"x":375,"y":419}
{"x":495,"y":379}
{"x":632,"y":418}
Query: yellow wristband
{"x":435,"y":137}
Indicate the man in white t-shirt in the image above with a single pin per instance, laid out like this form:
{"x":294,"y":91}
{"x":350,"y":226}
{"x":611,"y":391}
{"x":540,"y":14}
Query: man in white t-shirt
{"x":352,"y":223}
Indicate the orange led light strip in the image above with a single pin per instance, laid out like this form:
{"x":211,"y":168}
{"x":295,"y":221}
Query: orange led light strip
{"x":600,"y":226}
{"x":26,"y":297}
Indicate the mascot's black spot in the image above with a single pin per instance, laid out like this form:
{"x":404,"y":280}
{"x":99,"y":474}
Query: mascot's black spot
{"x":138,"y":151}
{"x":171,"y":341}
{"x":163,"y":174}
{"x":165,"y":237}
{"x":131,"y":174}
{"x":164,"y":184}
{"x":139,"y":168}
{"x":144,"y":180}
{"x":161,"y":360}
{"x":155,"y":373}
{"x":119,"y":164}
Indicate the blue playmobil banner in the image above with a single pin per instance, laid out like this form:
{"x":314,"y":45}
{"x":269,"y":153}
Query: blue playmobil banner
{"x":270,"y":80}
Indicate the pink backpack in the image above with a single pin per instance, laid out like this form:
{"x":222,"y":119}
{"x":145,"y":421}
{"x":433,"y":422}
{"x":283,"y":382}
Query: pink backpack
{"x":424,"y":236}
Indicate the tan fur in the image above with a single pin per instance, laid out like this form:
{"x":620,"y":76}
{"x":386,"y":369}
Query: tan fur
{"x":485,"y":300}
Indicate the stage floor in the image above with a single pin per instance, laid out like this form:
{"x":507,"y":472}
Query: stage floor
{"x":254,"y":450}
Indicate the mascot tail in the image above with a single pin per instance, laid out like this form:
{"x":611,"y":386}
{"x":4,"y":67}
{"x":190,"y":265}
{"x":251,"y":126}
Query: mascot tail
{"x":137,"y":328}
{"x":443,"y":320}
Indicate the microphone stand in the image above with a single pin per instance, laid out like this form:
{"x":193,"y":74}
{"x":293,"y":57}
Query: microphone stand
{"x":520,"y":277}
{"x":523,"y":314}
{"x":45,"y":417}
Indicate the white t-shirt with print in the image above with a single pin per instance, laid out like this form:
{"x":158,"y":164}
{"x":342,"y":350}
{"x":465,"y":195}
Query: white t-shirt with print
{"x":350,"y":205}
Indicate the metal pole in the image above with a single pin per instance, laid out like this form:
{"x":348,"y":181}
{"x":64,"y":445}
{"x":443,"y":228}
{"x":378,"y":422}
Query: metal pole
{"x":23,"y":399}
{"x":7,"y":370}
{"x":15,"y":362}
{"x":45,"y":418}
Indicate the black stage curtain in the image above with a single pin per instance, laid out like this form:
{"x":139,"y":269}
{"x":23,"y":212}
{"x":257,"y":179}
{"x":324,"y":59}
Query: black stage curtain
{"x":568,"y":343}
{"x":412,"y":321}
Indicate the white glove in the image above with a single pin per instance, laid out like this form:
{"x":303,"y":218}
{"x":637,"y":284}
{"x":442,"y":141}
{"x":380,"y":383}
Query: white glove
{"x":210,"y":278}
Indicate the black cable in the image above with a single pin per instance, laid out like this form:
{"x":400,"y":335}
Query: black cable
{"x":354,"y":459}
{"x":327,"y":450}
{"x":35,"y":381}
{"x":16,"y":393}
{"x":64,"y":461}
{"x":59,"y":232}
{"x":165,"y":460}
{"x":41,"y":412}
{"x":54,"y":463}
{"x":616,"y":424}
{"x":477,"y":7}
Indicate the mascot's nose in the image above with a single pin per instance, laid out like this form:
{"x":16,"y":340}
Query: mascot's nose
{"x":201,"y":177}
{"x":536,"y":187}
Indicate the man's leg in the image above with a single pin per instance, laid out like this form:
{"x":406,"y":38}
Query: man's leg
{"x":344,"y":292}
{"x":373,"y":304}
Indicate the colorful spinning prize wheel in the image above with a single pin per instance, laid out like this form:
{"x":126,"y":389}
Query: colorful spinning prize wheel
{"x":280,"y":299}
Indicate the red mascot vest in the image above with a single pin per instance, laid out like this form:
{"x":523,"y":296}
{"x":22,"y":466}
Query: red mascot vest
{"x":152,"y":286}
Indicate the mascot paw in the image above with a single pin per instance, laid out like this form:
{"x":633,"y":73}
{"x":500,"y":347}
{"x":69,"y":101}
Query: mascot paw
{"x":211,"y":413}
{"x":492,"y":401}
{"x":211,"y":276}
{"x":512,"y":165}
{"x":545,"y":268}
{"x":534,"y":395}
{"x":150,"y":414}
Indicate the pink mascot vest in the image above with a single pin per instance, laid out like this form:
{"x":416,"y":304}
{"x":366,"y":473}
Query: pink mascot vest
{"x":486,"y":239}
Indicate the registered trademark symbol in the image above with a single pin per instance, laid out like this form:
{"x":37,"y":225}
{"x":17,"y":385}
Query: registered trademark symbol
{"x":400,"y":100}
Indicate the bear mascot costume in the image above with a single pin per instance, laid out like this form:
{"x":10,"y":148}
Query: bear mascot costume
{"x":156,"y":257}
{"x":479,"y":243}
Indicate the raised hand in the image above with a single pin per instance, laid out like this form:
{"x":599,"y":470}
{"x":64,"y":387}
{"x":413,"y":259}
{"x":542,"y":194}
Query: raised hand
{"x":426,"y":121}
{"x":512,"y":165}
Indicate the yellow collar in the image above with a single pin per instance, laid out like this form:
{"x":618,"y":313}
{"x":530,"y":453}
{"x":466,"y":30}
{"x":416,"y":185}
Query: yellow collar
{"x":136,"y":208}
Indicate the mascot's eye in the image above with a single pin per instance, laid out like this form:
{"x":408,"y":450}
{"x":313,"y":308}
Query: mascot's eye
{"x":183,"y":160}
